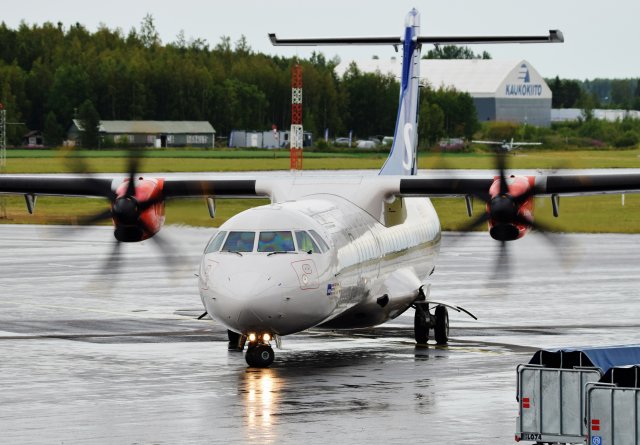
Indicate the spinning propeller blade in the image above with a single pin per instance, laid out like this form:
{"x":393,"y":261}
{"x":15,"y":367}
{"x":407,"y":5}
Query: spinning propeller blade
{"x":126,"y":209}
{"x":504,"y":209}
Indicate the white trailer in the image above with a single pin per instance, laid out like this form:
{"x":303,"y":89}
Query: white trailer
{"x":552,"y":391}
{"x":551,"y":402}
{"x":613,"y":407}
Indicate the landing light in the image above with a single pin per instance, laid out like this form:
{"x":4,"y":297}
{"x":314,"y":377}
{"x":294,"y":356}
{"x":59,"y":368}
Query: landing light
{"x":252,"y":337}
{"x":266,"y":337}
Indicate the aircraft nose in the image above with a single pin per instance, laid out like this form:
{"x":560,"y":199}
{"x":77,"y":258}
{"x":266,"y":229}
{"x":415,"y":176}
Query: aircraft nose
{"x":277,"y":300}
{"x":250,"y":301}
{"x":247,"y":284}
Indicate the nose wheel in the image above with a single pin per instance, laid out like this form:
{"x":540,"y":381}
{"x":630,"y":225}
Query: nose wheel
{"x":259,"y":355}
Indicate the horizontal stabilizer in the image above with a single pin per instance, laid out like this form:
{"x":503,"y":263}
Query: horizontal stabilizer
{"x":335,"y":41}
{"x":554,"y":36}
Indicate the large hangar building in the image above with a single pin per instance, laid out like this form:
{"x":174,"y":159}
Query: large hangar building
{"x":502,"y":90}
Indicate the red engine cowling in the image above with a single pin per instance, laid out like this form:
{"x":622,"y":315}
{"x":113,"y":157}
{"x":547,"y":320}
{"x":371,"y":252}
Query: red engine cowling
{"x":509,"y":212}
{"x":140,"y":215}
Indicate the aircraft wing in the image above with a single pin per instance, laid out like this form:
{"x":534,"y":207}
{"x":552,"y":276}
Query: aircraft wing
{"x":83,"y":186}
{"x":241,"y":187}
{"x":56,"y":186}
{"x":224,"y":188}
{"x":545,"y":185}
{"x":488,"y":142}
{"x":593,"y":184}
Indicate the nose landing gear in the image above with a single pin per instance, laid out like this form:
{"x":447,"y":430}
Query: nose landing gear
{"x":259,"y":355}
{"x":259,"y":352}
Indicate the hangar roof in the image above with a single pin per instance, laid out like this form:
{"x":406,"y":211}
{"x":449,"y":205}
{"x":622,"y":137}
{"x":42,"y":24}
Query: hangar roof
{"x":478,"y":77}
{"x":153,"y":127}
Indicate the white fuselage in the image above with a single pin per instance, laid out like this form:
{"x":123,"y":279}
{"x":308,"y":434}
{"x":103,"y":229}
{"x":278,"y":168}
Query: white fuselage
{"x":369,"y":273}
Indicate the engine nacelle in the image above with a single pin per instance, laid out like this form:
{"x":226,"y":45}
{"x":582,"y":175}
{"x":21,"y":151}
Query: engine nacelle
{"x":140,"y":216}
{"x":509,"y":212}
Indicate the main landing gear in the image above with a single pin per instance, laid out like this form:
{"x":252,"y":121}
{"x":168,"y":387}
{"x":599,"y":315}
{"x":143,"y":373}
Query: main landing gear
{"x":423,"y":321}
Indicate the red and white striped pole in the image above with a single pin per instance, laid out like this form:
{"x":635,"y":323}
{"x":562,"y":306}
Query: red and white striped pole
{"x":297,"y":134}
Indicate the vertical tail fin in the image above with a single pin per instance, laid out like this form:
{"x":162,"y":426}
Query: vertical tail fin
{"x":402,"y":159}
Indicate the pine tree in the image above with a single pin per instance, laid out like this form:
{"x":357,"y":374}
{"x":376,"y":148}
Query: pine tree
{"x":53,"y":133}
{"x":90,"y":125}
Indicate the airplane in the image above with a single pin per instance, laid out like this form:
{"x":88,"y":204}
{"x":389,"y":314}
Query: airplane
{"x":507,"y":146}
{"x":335,"y":252}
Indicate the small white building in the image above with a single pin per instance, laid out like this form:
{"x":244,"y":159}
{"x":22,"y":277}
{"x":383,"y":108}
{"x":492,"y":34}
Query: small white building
{"x":153,"y":133}
{"x":264,"y":139}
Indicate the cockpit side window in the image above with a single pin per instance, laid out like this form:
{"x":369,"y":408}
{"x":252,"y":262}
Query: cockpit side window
{"x":306,"y":243}
{"x":276,"y":241}
{"x":216,"y":242}
{"x":239,"y":242}
{"x":323,"y":245}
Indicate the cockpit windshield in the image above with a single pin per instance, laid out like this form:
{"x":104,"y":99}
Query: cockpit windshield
{"x":216,"y":242}
{"x":276,"y":241}
{"x":239,"y":242}
{"x":323,"y":245}
{"x":269,"y":241}
{"x":306,"y":243}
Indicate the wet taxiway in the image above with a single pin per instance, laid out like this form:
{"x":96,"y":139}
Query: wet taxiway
{"x":91,"y":359}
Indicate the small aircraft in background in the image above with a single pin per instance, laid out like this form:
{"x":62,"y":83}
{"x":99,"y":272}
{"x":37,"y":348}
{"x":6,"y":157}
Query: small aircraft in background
{"x":507,"y":146}
{"x":333,"y":252}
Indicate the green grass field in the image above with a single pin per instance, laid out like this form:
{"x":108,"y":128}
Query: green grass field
{"x":543,"y":159}
{"x":603,"y":214}
{"x":104,"y":161}
{"x":185,"y":153}
{"x":191,"y":164}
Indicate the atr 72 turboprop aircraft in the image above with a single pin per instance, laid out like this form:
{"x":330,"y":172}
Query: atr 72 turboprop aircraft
{"x":329,"y":252}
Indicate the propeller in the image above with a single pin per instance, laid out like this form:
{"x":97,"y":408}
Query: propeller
{"x":503,"y":210}
{"x":125,"y":211}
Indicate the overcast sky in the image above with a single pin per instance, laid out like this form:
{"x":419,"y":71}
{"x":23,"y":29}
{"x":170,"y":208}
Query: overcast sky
{"x":601,"y":37}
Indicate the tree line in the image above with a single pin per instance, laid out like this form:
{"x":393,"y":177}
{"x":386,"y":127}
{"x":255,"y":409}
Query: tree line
{"x":51,"y":74}
{"x":597,"y":93}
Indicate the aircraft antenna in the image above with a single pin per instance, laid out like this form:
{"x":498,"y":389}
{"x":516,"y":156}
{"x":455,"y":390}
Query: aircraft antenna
{"x":297,"y":133}
{"x":3,"y":156}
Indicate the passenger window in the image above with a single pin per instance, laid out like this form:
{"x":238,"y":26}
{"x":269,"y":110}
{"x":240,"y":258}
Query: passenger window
{"x":323,"y":246}
{"x":215,"y":243}
{"x":239,"y":242}
{"x":306,"y":243}
{"x":275,"y":242}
